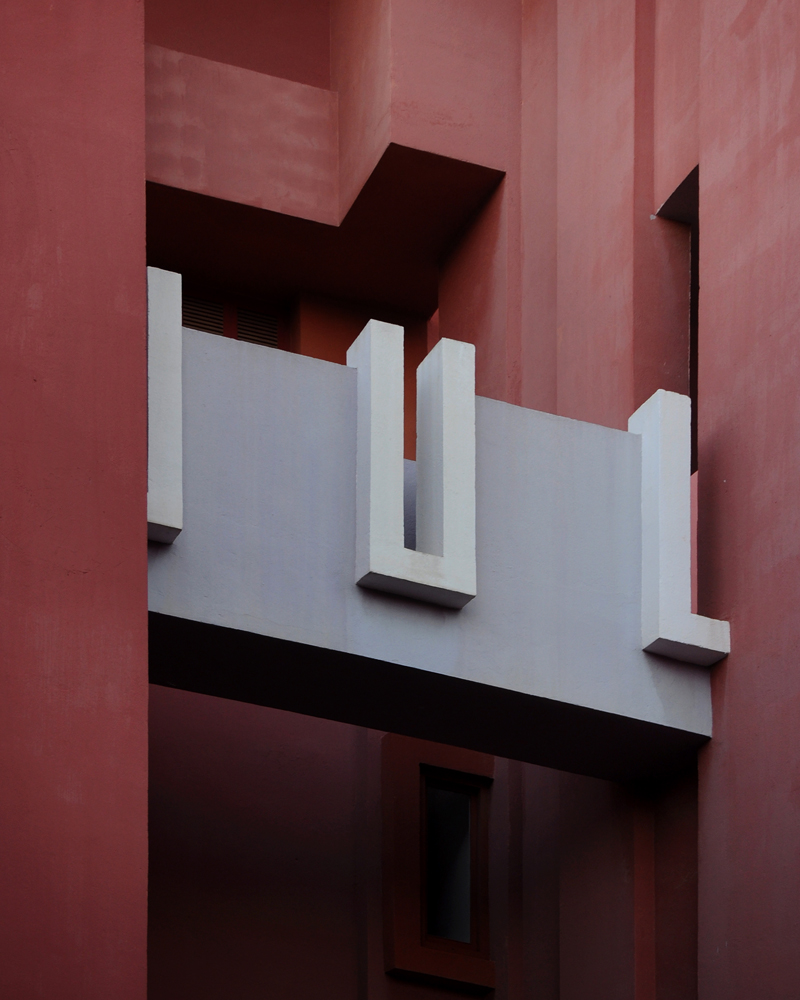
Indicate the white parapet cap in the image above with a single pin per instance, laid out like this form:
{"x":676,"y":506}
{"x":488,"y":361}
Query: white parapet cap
{"x":442,"y":568}
{"x":164,"y":406}
{"x":668,"y":625}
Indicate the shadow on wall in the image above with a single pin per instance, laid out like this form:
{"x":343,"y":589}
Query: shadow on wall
{"x":265,"y":867}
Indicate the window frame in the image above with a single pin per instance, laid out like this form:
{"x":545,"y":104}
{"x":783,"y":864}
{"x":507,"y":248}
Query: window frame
{"x":410,"y":952}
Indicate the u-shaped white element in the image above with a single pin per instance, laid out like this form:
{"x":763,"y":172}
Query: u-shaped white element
{"x":668,"y":625}
{"x":442,"y":568}
{"x":164,"y":406}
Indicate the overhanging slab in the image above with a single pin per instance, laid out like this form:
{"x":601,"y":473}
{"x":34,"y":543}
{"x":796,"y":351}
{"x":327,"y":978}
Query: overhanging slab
{"x":263,"y":670}
{"x":552,"y":640}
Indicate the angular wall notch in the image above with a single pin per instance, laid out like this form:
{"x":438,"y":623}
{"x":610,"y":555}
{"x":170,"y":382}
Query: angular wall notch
{"x":668,"y":625}
{"x":442,"y":568}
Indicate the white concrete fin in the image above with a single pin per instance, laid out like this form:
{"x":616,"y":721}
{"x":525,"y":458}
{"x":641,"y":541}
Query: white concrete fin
{"x":164,"y":406}
{"x":442,"y":568}
{"x":668,"y":625}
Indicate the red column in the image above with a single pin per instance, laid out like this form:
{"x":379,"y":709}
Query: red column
{"x":73,"y":651}
{"x":749,"y":516}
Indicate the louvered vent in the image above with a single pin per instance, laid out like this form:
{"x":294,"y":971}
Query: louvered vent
{"x":257,"y":328}
{"x":200,"y":314}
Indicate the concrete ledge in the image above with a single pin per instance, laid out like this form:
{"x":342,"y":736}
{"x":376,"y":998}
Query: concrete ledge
{"x":326,"y":683}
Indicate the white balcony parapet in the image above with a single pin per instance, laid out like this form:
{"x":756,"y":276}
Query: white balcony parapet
{"x":165,"y":406}
{"x":668,"y":625}
{"x":257,"y":597}
{"x":442,"y":568}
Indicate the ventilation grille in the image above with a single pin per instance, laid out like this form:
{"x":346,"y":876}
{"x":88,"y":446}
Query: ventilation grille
{"x":257,"y":328}
{"x":199,"y":314}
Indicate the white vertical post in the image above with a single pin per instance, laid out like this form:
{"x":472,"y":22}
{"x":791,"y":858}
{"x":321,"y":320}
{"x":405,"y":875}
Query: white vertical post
{"x":668,"y":625}
{"x":446,"y":458}
{"x":442,"y":568}
{"x":378,"y":355}
{"x":165,"y":406}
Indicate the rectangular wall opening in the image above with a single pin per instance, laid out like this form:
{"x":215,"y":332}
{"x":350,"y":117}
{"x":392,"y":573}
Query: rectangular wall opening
{"x":683,"y":206}
{"x":448,"y":861}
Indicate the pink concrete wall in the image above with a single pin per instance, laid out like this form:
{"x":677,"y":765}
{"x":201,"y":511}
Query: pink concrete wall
{"x":242,"y":136}
{"x":596,"y":873}
{"x":594,"y":198}
{"x":454,"y":77}
{"x":361,"y":61}
{"x":266,"y":858}
{"x":479,"y":289}
{"x":266,"y":842}
{"x":538,"y":216}
{"x":576,"y":298}
{"x":253,"y":867}
{"x":676,"y":71}
{"x":285,"y":38}
{"x":577,"y":302}
{"x":675,"y":890}
{"x":661,"y":248}
{"x":474,"y":298}
{"x":73,"y":602}
{"x":749,"y":526}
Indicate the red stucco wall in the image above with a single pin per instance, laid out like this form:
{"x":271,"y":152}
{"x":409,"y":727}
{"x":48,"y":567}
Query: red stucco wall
{"x":577,"y":300}
{"x":73,"y":653}
{"x":749,"y":528}
{"x":284,"y":38}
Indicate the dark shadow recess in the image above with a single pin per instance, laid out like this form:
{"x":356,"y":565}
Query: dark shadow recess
{"x":386,"y":251}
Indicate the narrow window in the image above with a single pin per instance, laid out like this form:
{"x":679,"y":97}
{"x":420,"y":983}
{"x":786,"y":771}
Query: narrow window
{"x":448,"y":861}
{"x":436,"y":802}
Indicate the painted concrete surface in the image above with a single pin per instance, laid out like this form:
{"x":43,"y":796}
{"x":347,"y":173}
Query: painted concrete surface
{"x":164,"y":406}
{"x":289,"y":39}
{"x":269,"y":540}
{"x":749,"y":524}
{"x":73,"y":468}
{"x":440,"y":568}
{"x":282,"y":135}
{"x":668,"y":625}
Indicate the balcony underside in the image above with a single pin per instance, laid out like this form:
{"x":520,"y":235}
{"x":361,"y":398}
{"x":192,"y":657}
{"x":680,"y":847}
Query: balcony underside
{"x":263,"y":670}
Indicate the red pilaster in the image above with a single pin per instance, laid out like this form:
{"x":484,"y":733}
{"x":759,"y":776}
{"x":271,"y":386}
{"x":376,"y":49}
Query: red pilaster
{"x":749,"y":516}
{"x":73,"y":651}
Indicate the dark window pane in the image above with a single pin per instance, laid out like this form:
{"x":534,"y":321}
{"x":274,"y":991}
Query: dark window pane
{"x":448,"y":865}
